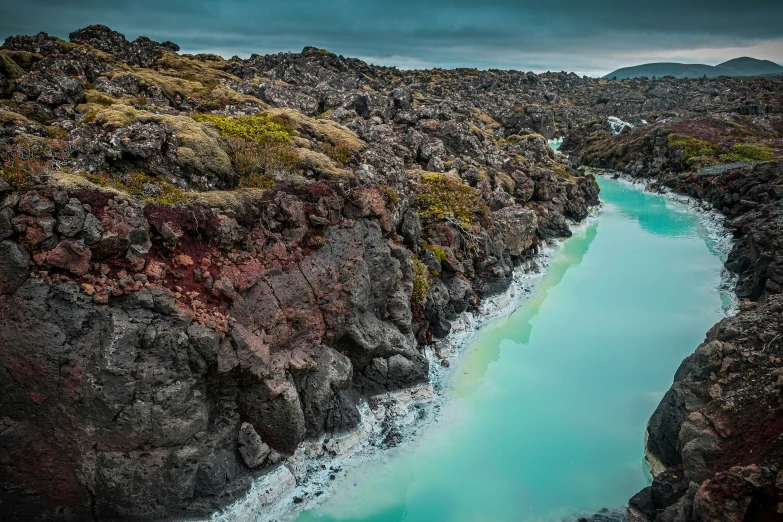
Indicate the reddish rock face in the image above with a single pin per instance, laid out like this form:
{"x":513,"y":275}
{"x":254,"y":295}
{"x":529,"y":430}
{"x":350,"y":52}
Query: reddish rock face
{"x":69,"y":256}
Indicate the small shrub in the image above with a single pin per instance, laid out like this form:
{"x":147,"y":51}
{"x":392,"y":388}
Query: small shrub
{"x":30,"y":161}
{"x":441,"y":196}
{"x":257,"y":180}
{"x":341,"y":153}
{"x":256,"y":144}
{"x":421,"y":281}
{"x":748,"y":152}
{"x":19,"y":173}
{"x":250,"y":157}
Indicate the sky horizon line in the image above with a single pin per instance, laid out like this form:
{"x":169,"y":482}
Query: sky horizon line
{"x":591,"y":40}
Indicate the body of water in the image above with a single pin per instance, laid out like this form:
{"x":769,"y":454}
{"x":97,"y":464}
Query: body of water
{"x":546,"y":412}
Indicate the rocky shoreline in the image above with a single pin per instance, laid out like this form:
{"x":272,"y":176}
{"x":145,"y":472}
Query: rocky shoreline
{"x":713,"y":442}
{"x":390,"y":422}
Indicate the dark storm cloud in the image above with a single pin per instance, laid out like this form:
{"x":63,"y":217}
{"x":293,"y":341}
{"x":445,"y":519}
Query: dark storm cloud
{"x":569,"y":34}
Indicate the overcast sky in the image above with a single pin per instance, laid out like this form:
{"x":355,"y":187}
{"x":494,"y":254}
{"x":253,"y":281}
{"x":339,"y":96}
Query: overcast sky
{"x":586,"y":37}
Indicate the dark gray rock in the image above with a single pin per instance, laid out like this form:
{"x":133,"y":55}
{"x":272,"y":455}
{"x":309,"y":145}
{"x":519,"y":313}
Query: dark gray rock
{"x":253,"y":450}
{"x":14,"y":266}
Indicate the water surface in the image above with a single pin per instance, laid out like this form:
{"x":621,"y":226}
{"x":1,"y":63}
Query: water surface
{"x":546,"y":413}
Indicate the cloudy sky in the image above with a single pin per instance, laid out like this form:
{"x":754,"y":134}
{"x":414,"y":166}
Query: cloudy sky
{"x":587,"y":37}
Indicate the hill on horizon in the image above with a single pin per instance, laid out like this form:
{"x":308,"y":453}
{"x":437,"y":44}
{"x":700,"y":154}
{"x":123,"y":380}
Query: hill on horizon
{"x":744,"y":66}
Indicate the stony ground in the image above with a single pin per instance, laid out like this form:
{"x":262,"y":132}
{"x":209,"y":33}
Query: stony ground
{"x":204,"y":262}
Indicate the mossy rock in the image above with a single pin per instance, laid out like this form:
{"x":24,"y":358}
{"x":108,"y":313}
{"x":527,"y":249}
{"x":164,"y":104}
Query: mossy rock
{"x":323,"y":130}
{"x":443,"y":196}
{"x":200,"y":149}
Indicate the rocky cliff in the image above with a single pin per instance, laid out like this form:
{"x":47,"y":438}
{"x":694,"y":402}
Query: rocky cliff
{"x":205,"y":262}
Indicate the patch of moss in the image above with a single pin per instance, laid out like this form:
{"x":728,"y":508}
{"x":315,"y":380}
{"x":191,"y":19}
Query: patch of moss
{"x":117,"y":116}
{"x":264,"y":129}
{"x":323,"y":130}
{"x":9,"y":116}
{"x":442,"y":196}
{"x":421,"y":281}
{"x":150,"y":189}
{"x":99,"y":98}
{"x":504,"y":180}
{"x":749,"y":152}
{"x":217,"y":97}
{"x":439,"y":254}
{"x":23,"y":59}
{"x":695,"y":151}
{"x":10,"y":69}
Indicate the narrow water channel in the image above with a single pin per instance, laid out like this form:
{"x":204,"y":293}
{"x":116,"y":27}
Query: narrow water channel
{"x":546,"y":412}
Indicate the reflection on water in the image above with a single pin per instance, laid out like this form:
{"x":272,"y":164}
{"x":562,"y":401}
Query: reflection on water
{"x":519,"y":325}
{"x":547,"y":410}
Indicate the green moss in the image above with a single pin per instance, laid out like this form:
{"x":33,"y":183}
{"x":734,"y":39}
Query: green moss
{"x":10,"y":69}
{"x":695,"y":151}
{"x":421,"y":281}
{"x":749,"y":152}
{"x":265,"y":129}
{"x":442,"y":196}
{"x":439,"y":254}
{"x":150,"y":189}
{"x":504,"y":180}
{"x":216,"y":97}
{"x":392,"y":197}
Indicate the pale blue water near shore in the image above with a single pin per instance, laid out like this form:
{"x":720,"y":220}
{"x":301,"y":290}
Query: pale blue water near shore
{"x":546,"y":413}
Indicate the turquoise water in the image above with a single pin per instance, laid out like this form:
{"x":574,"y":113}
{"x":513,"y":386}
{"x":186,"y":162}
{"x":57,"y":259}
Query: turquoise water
{"x":547,"y":410}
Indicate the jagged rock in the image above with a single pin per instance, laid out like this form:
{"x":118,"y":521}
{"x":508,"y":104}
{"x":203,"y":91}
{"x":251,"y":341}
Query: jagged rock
{"x":517,"y":226}
{"x":70,"y":220}
{"x":253,"y":450}
{"x":142,"y":51}
{"x":69,"y":255}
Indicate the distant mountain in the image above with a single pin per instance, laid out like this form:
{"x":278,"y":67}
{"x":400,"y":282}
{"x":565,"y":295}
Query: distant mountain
{"x":737,"y":67}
